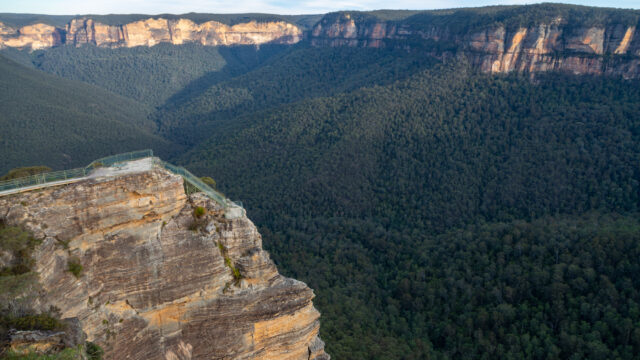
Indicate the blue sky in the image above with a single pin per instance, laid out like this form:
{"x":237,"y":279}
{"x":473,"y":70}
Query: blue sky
{"x":72,"y":7}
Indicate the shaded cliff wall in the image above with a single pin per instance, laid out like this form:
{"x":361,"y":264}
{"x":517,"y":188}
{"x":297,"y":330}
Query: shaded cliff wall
{"x":148,"y":32}
{"x":557,"y":45}
{"x":158,"y":281}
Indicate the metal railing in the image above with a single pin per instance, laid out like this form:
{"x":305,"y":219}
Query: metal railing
{"x":76,"y":173}
{"x":43,"y":178}
{"x":112,"y":160}
{"x":195,"y":182}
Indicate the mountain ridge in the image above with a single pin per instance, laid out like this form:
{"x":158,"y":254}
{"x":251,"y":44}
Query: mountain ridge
{"x":148,"y":32}
{"x":525,"y":39}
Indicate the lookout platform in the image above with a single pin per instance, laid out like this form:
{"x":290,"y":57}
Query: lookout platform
{"x":118,"y":165}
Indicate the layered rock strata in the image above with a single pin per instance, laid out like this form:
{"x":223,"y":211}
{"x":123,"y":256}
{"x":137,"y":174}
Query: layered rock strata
{"x":159,"y":280}
{"x":556,"y":45}
{"x":37,"y":36}
{"x":47,"y":342}
{"x":613,"y":49}
{"x":148,"y":32}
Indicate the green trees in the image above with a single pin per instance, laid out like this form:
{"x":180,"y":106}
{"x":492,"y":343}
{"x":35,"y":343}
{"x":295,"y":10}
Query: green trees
{"x":300,"y":73}
{"x":151,"y":75}
{"x":24,"y":171}
{"x":437,"y":212}
{"x":74,"y":267}
{"x":20,"y":245}
{"x":60,"y":123}
{"x":450,"y":214}
{"x":209,"y":181}
{"x":19,"y":284}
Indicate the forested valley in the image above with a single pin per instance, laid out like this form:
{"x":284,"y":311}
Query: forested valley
{"x":436,"y":211}
{"x":408,"y":207}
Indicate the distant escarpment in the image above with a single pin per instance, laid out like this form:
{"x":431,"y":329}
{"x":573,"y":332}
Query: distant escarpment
{"x":148,"y":32}
{"x":502,"y":39}
{"x":500,"y":46}
{"x":158,"y":274}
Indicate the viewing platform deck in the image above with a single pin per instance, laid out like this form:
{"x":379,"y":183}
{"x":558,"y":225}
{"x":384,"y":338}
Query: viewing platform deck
{"x":118,"y":165}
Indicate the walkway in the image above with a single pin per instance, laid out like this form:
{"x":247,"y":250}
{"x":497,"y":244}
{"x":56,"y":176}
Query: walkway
{"x":40,"y":186}
{"x":129,"y":167}
{"x":117,"y":165}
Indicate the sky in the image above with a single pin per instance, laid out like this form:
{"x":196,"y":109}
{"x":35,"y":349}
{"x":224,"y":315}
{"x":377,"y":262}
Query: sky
{"x":73,"y":7}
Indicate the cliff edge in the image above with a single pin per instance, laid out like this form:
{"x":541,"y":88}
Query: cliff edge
{"x":500,"y":39}
{"x":148,"y":32}
{"x":164,"y":275}
{"x":551,"y":43}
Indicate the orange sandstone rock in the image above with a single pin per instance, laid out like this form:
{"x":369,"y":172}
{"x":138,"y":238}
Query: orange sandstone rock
{"x":155,"y":282}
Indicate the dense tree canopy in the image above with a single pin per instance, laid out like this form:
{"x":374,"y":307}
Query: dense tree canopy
{"x":152,"y":75}
{"x":46,"y":120}
{"x":437,"y":212}
{"x":400,"y":204}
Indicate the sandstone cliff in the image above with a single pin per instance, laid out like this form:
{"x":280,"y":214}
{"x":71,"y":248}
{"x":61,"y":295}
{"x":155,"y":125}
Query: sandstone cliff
{"x":159,"y":282}
{"x":37,"y":36}
{"x":556,"y":45}
{"x":148,"y":32}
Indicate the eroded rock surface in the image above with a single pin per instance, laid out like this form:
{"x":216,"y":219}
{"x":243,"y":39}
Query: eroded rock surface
{"x":34,"y":37}
{"x":557,"y":45}
{"x":148,"y":32}
{"x":158,"y":281}
{"x":47,"y":342}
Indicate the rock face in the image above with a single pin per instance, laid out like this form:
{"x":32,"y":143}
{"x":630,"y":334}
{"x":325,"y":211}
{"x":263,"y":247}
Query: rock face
{"x":47,"y":342}
{"x":614,"y":49}
{"x":158,"y":282}
{"x":148,"y":32}
{"x":557,"y":44}
{"x":34,"y":37}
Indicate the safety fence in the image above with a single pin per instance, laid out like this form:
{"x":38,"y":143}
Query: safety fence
{"x":43,"y":178}
{"x":118,"y":158}
{"x":194,"y":181}
{"x":56,"y":176}
{"x":191,"y":181}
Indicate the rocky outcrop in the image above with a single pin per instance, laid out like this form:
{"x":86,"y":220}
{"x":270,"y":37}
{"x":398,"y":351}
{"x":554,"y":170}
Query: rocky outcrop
{"x":34,"y":37}
{"x":343,"y":30}
{"x":47,"y":342}
{"x":160,"y":280}
{"x":551,"y":47}
{"x":557,"y":45}
{"x":149,"y":32}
